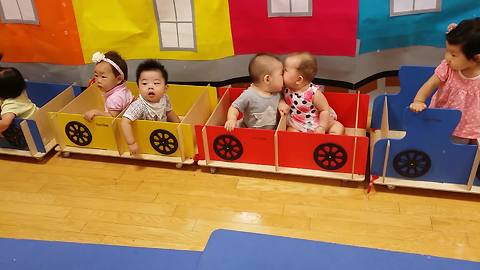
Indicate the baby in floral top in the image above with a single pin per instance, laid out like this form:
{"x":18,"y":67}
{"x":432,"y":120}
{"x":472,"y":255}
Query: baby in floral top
{"x":309,"y":109}
{"x":152,"y":103}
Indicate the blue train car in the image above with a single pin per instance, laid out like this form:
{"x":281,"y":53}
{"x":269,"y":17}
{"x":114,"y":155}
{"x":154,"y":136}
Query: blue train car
{"x":415,"y":149}
{"x":35,"y":137}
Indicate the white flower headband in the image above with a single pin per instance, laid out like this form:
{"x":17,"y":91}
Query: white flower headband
{"x":99,"y":57}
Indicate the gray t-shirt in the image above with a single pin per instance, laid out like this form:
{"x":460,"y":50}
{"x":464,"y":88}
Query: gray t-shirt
{"x":258,"y":111}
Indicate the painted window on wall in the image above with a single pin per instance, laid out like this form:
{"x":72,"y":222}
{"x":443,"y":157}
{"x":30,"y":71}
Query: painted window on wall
{"x":176,"y":24}
{"x":289,"y":8}
{"x":407,"y":7}
{"x":18,"y":11}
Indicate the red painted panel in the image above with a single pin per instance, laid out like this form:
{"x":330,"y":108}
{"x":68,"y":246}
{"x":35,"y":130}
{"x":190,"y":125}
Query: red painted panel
{"x":331,"y":30}
{"x":234,"y":92}
{"x":199,"y":137}
{"x":361,"y":155}
{"x":258,"y":144}
{"x":345,"y":105}
{"x":296,"y":149}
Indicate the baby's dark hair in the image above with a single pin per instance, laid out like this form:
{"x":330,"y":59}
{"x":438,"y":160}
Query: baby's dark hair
{"x":308,"y":65}
{"x":261,"y":65}
{"x":467,"y":35}
{"x":117,"y":59}
{"x":12,"y":82}
{"x":151,"y":64}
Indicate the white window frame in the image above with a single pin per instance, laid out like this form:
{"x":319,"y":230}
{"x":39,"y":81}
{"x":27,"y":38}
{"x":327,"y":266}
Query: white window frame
{"x":175,"y":22}
{"x":5,"y":19}
{"x":414,"y":9}
{"x":290,"y":13}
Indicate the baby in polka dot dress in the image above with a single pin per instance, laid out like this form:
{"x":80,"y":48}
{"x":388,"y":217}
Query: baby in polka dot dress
{"x":308,"y":108}
{"x":458,"y":81}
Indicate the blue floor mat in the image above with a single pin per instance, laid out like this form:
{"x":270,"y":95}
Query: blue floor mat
{"x":46,"y":255}
{"x":231,"y":250}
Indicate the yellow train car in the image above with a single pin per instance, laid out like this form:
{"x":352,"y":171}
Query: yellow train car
{"x":160,"y":141}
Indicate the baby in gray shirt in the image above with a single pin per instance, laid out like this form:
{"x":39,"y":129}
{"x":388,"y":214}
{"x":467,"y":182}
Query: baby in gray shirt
{"x":259,"y":103}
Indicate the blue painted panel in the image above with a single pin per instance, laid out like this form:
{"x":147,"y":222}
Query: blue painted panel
{"x":41,"y":93}
{"x":430,"y":132}
{"x":230,"y":250}
{"x":411,"y":79}
{"x":4,"y":143}
{"x":37,"y":138}
{"x":29,"y":254}
{"x":378,"y":31}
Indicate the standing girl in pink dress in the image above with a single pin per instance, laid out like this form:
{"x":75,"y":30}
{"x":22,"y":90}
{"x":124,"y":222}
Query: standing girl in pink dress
{"x":458,"y":81}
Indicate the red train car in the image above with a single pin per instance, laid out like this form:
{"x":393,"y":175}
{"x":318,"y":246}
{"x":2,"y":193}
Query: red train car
{"x":323,"y":155}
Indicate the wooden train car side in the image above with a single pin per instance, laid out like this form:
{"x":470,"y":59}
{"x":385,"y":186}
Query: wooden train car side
{"x":288,"y":152}
{"x":34,"y":137}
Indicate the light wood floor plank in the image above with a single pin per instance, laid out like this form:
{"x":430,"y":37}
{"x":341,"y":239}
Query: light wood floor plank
{"x":90,"y":199}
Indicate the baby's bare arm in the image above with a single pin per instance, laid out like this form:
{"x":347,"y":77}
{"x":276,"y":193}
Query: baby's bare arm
{"x":321,"y":104}
{"x":127,"y":131}
{"x":89,"y":115}
{"x":6,"y":121}
{"x":231,"y":118}
{"x":424,"y":92}
{"x":173,"y":117}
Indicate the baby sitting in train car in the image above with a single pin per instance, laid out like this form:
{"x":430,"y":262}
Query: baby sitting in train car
{"x":14,"y":101}
{"x":111,"y":73}
{"x":259,"y":103}
{"x":308,"y":108}
{"x":152,"y":104}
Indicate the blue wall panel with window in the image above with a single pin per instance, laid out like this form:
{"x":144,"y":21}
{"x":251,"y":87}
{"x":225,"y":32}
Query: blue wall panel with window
{"x":378,"y":31}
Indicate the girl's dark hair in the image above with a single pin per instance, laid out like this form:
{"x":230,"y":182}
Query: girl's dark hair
{"x":467,"y":35}
{"x":117,"y":59}
{"x":12,"y":82}
{"x":152,"y":64}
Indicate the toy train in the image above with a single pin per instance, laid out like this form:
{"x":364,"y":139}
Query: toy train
{"x":415,"y":149}
{"x":406,"y":149}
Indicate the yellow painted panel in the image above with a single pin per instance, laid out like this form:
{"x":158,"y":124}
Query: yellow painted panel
{"x":183,"y":97}
{"x":99,"y":134}
{"x":144,"y":129}
{"x":188,"y":141}
{"x":130,"y":27}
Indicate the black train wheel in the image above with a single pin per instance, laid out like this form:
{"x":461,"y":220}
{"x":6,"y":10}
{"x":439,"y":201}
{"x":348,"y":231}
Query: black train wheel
{"x":14,"y":135}
{"x":78,"y":133}
{"x":163,"y":141}
{"x":330,"y":156}
{"x":228,"y":147}
{"x":412,"y":163}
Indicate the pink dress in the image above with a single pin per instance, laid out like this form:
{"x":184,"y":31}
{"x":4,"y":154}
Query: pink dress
{"x":304,"y":116}
{"x":461,"y":93}
{"x":118,"y":98}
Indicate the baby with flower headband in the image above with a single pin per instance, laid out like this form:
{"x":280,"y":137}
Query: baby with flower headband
{"x":110,"y":76}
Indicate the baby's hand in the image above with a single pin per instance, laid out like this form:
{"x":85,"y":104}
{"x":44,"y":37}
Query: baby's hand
{"x":230,"y":125}
{"x":417,"y":106}
{"x":283,"y":108}
{"x":320,"y":130}
{"x":133,"y":148}
{"x":89,"y":115}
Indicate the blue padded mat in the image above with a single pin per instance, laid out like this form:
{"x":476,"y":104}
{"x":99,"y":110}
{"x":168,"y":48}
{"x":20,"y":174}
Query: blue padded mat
{"x":232,"y":250}
{"x":45,"y":255}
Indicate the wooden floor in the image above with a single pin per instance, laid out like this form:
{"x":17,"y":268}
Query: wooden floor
{"x":90,"y":199}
